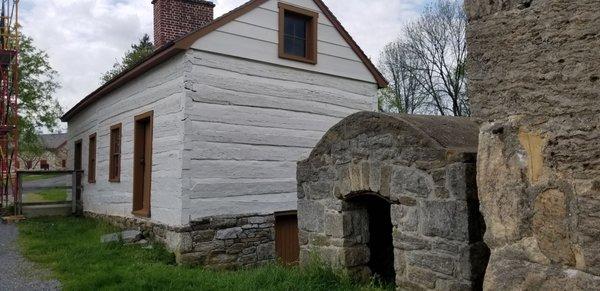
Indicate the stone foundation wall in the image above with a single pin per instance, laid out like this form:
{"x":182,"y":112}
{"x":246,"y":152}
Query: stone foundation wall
{"x":224,"y":242}
{"x":535,"y":85}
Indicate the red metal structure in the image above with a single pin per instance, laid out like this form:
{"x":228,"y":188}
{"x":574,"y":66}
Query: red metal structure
{"x":9,"y":96}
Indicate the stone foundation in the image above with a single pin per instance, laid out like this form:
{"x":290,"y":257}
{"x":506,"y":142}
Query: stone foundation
{"x":223,"y":242}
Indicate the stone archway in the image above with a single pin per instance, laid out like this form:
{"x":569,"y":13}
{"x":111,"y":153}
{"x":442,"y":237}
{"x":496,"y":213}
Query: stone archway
{"x":424,"y":168}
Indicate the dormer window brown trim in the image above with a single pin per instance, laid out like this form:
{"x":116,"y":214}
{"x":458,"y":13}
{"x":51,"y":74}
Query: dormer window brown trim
{"x":298,"y":29}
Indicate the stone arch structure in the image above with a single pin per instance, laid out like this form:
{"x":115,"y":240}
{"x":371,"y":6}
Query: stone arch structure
{"x":424,"y":168}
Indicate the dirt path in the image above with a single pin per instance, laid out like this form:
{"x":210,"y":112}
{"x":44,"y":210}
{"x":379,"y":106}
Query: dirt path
{"x":16,"y":273}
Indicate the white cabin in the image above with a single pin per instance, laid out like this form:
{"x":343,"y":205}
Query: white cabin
{"x":216,"y":120}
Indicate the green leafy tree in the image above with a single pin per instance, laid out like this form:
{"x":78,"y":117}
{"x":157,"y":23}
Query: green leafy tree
{"x":138,"y":53}
{"x":38,"y":108}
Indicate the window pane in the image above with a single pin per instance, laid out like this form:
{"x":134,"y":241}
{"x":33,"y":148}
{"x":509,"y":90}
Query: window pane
{"x":295,"y":34}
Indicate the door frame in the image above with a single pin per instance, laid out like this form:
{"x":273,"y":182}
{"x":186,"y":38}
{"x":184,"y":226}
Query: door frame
{"x":142,"y":192}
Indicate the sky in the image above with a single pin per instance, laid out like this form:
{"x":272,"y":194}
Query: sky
{"x":84,"y":38}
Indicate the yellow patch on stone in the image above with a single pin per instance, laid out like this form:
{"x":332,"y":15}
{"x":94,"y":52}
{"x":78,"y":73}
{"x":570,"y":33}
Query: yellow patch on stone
{"x":550,"y":226}
{"x":533,"y":144}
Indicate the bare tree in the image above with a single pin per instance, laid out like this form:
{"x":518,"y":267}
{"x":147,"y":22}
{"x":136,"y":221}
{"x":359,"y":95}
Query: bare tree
{"x":432,"y":51}
{"x":404,"y":95}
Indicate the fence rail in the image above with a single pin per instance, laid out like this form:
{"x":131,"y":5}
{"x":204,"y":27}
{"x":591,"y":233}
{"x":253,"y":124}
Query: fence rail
{"x":48,"y":188}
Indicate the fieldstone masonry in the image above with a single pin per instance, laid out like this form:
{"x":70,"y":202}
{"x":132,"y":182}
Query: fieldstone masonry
{"x":425,"y":168}
{"x":222,"y":242}
{"x":535,"y":84}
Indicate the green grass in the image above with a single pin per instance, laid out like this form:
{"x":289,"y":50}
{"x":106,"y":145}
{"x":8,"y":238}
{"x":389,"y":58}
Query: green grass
{"x":37,"y":177}
{"x":71,"y":248}
{"x":46,"y":195}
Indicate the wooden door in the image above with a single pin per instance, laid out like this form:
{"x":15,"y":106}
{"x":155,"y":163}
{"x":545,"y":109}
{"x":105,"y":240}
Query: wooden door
{"x":77,"y":156}
{"x":286,"y":238}
{"x":142,"y":164}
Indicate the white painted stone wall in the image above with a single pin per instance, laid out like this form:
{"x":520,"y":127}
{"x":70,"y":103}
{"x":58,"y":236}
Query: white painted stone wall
{"x":247,"y":123}
{"x":160,"y":90}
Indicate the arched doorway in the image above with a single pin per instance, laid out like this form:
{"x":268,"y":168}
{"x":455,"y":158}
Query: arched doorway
{"x":380,"y":234}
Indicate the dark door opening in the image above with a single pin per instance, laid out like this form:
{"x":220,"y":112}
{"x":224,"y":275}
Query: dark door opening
{"x":77,"y":166}
{"x":287,"y":244}
{"x":381,"y":244}
{"x":142,"y":164}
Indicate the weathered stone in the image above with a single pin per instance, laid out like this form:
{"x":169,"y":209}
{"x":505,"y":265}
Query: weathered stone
{"x":407,"y":242}
{"x":421,"y":277}
{"x":356,"y":256}
{"x":313,"y":214}
{"x":405,"y":218}
{"x":410,"y":181}
{"x":108,"y":238}
{"x":266,"y":252}
{"x":533,"y":82}
{"x":435,"y":262}
{"x":445,"y":219}
{"x":229,"y":233}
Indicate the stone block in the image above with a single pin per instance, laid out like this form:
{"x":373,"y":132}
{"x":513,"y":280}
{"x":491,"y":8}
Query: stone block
{"x":131,"y":236}
{"x":405,"y":218}
{"x":311,"y":216}
{"x":409,"y":242}
{"x":108,"y":238}
{"x":355,"y":256}
{"x":406,"y":181}
{"x":319,"y":190}
{"x":229,"y":233}
{"x":432,"y":261}
{"x":266,"y":251}
{"x":334,"y":224}
{"x":448,"y":219}
{"x":459,"y":180}
{"x":421,"y":276}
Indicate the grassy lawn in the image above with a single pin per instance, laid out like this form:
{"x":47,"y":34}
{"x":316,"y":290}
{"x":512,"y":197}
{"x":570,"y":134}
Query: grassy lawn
{"x":71,"y":248}
{"x":30,"y":177}
{"x":46,"y":195}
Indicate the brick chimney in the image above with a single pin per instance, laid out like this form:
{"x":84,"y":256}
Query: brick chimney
{"x":176,"y":18}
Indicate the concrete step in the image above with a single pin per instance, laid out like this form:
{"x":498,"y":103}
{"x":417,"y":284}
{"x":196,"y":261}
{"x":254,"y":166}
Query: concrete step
{"x":31,"y":211}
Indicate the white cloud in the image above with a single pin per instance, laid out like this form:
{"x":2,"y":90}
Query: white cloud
{"x":85,"y":37}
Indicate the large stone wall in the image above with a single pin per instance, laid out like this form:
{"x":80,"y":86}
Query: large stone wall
{"x":535,"y":85}
{"x":429,"y":180}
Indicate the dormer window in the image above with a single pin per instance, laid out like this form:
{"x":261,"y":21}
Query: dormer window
{"x":297,"y":34}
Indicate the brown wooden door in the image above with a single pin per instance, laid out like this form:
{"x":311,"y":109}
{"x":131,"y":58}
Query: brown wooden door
{"x":286,"y":238}
{"x":142,"y":164}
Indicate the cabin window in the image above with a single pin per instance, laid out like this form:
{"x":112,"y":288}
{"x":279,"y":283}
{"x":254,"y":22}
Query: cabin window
{"x":92,"y":159}
{"x":297,"y":34}
{"x":114,"y":167}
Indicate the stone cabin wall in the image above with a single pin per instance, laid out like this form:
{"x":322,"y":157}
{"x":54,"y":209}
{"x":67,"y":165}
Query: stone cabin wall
{"x":535,"y":85}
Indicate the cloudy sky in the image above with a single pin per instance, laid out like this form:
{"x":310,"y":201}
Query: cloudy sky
{"x":85,"y":37}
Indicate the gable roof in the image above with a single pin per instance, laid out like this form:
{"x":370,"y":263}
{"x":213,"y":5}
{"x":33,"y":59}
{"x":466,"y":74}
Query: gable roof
{"x":53,"y":141}
{"x":182,"y":44}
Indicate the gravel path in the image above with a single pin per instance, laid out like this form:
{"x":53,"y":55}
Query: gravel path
{"x":16,"y":273}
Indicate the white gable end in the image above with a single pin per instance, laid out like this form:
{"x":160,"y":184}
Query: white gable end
{"x":254,"y":36}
